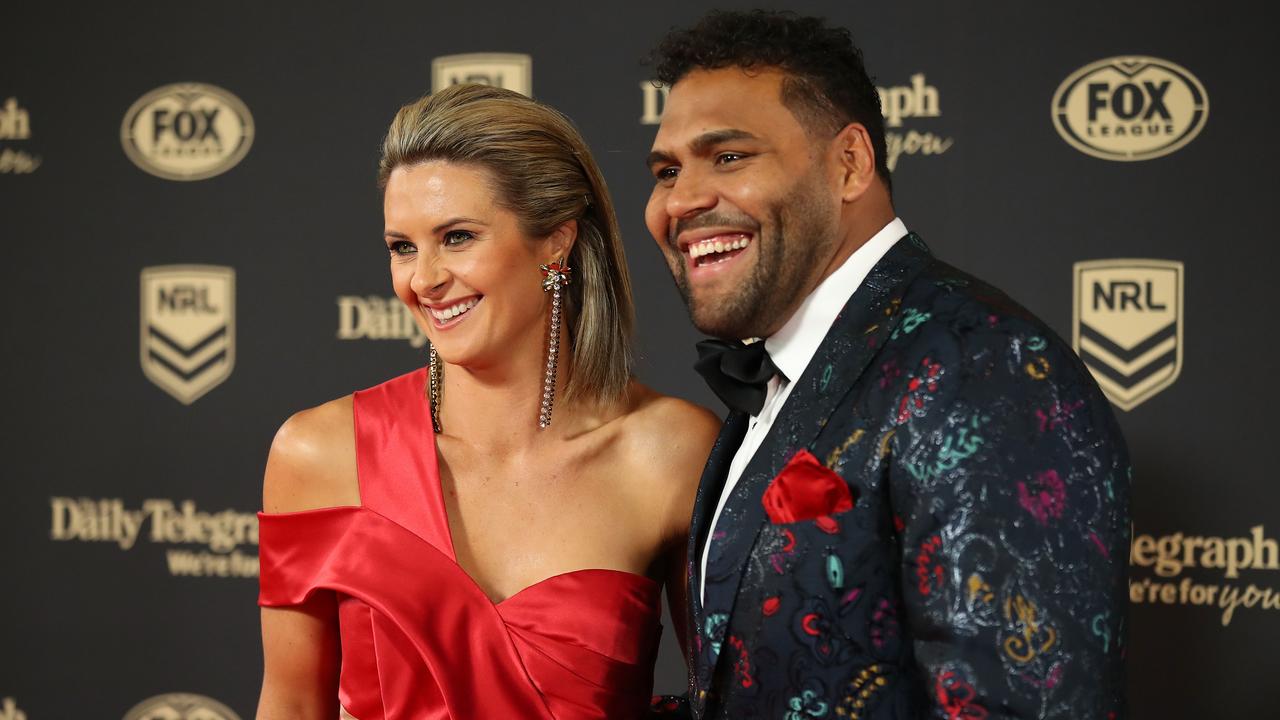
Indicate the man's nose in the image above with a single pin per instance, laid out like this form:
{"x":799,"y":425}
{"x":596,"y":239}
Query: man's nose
{"x":690,"y":195}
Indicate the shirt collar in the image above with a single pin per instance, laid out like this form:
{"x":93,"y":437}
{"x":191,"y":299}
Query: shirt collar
{"x":794,"y":345}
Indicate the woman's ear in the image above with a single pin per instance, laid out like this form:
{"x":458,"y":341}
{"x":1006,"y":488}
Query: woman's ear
{"x":560,"y":241}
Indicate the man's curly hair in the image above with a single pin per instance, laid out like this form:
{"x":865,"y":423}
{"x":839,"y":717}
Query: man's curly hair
{"x":827,"y":88}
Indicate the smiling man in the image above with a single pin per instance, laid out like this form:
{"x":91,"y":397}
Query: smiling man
{"x":918,"y":504}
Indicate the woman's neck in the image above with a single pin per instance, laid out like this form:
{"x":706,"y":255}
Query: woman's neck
{"x":496,"y":407}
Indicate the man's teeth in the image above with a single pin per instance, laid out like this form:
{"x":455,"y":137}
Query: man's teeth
{"x":454,"y":310}
{"x":710,"y":247}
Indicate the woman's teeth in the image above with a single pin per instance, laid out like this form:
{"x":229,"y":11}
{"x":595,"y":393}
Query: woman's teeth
{"x":453,"y":311}
{"x":711,"y":247}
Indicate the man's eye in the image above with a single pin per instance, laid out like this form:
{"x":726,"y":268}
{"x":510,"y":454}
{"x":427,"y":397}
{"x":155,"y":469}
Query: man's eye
{"x":666,"y":173}
{"x":728,"y":157}
{"x":453,"y":238}
{"x":401,"y":247}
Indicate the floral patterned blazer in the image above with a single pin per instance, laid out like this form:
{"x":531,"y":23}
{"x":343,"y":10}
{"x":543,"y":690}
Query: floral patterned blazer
{"x":972,"y":561}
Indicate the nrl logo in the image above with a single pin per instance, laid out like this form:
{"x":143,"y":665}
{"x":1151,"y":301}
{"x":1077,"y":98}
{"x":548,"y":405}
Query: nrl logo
{"x":513,"y":71}
{"x":188,"y":328}
{"x":1127,"y":326}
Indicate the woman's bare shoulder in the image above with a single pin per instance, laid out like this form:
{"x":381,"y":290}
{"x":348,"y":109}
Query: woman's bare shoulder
{"x":668,"y":441}
{"x":670,"y":433}
{"x":312,"y":463}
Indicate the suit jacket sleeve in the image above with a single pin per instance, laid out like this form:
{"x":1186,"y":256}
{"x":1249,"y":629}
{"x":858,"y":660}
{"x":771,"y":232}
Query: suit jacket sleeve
{"x":1010,"y":493}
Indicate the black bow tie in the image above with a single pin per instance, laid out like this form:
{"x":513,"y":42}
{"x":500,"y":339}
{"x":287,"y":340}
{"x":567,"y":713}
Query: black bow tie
{"x":737,"y":372}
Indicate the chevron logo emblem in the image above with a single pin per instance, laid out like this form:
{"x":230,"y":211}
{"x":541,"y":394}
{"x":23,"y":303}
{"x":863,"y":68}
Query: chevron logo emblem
{"x":188,"y":328}
{"x":1127,"y":326}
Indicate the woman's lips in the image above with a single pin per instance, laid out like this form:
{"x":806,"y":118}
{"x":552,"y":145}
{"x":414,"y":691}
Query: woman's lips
{"x":450,"y":315}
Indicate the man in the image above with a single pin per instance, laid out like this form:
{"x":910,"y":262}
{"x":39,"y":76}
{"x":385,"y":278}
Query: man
{"x":918,"y":505}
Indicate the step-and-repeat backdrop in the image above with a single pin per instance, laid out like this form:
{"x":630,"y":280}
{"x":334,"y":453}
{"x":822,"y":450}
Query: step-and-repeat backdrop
{"x":192,"y":252}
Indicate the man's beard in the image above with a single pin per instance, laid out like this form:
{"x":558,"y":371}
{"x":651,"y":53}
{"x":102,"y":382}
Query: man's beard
{"x":786,"y":259}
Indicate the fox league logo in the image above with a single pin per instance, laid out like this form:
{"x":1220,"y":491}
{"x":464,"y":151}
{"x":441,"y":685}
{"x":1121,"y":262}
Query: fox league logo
{"x":1127,"y":326}
{"x":188,"y":328}
{"x":187,"y":131}
{"x":513,"y":71}
{"x":1130,"y":108}
{"x":180,"y":706}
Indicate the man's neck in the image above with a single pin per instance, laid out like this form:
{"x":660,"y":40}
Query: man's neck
{"x":855,"y":229}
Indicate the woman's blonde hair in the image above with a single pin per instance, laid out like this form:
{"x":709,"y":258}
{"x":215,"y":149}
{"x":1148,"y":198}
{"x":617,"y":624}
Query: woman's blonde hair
{"x":545,"y":175}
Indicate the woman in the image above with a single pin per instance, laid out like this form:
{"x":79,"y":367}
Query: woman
{"x":486,"y":537}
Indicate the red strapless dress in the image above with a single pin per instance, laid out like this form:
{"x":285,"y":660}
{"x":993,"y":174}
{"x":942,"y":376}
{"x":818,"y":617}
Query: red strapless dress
{"x":419,"y":637}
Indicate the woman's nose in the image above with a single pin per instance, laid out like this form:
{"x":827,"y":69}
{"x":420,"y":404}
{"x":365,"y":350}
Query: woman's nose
{"x":429,"y":276}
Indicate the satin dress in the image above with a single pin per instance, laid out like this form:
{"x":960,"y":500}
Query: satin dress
{"x":419,"y":638}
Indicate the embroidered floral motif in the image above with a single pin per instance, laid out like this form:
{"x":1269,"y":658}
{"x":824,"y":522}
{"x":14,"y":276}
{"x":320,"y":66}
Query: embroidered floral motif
{"x":956,"y":698}
{"x":741,"y":662}
{"x":919,"y":387}
{"x":860,"y":692}
{"x":1058,"y":413}
{"x":1028,"y":635}
{"x":884,"y":624}
{"x":930,"y":574}
{"x":1045,"y":498}
{"x":805,"y":706}
{"x":714,"y":626}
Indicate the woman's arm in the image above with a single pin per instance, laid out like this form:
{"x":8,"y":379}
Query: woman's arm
{"x":687,"y":432}
{"x":311,"y":465}
{"x":677,"y":584}
{"x":300,"y":659}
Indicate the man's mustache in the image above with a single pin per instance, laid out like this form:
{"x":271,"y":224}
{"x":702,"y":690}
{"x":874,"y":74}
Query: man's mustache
{"x":710,"y":219}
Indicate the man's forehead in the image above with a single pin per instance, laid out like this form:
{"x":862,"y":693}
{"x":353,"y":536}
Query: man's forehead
{"x":724,"y":88}
{"x":710,"y":100}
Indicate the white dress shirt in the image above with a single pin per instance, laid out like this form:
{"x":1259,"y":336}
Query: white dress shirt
{"x":791,"y":349}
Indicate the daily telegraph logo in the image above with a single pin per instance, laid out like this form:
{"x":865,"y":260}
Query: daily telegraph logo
{"x":1130,"y":108}
{"x":898,"y":103}
{"x":513,"y":71}
{"x":15,"y":125}
{"x":165,"y":522}
{"x":908,"y":102}
{"x":377,"y":318}
{"x":187,"y":131}
{"x":188,"y":328}
{"x":180,"y":706}
{"x":1128,"y":326}
{"x":1175,"y":558}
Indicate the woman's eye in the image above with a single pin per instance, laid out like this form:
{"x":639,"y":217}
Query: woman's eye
{"x":401,"y":247}
{"x":453,"y":238}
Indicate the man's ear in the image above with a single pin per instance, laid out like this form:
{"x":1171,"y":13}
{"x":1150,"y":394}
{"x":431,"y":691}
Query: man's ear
{"x":856,"y":160}
{"x":560,"y":241}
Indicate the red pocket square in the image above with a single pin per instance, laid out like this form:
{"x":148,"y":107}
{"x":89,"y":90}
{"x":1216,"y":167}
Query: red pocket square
{"x":804,"y":490}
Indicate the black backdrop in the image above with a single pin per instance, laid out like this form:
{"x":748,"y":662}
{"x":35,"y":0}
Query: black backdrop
{"x":92,"y":628}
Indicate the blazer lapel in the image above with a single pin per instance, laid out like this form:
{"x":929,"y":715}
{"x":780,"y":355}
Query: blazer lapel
{"x":868,"y":318}
{"x":712,"y":484}
{"x":704,"y":506}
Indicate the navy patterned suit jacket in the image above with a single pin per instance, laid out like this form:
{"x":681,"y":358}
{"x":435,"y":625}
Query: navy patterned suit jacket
{"x":982,"y":569}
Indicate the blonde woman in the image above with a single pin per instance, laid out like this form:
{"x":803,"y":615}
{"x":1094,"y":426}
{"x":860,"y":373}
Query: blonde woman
{"x":486,"y":537}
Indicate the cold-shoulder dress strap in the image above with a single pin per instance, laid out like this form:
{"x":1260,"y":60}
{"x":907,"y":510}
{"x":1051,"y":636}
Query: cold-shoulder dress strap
{"x":396,"y":458}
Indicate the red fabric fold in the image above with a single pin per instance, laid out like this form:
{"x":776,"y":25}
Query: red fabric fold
{"x":420,"y":639}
